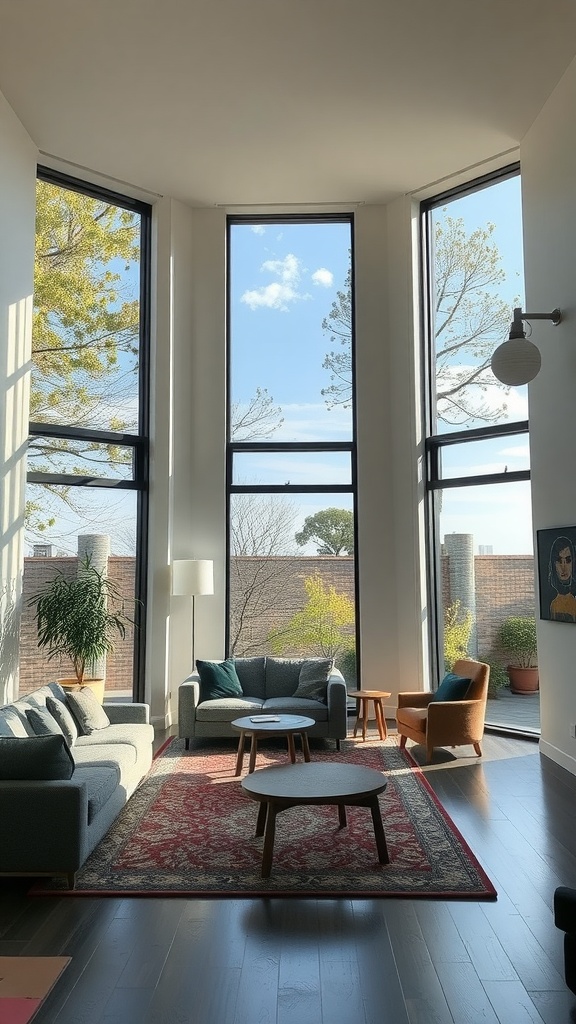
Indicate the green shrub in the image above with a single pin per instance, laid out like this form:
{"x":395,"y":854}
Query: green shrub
{"x":457,"y":630}
{"x":517,"y":637}
{"x":498,"y":675}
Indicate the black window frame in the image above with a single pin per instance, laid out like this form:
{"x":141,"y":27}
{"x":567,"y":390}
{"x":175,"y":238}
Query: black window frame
{"x":435,"y":442}
{"x":139,"y":442}
{"x":234,"y":447}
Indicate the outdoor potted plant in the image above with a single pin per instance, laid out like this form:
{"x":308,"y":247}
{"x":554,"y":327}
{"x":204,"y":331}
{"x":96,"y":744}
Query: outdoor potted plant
{"x":79,"y":618}
{"x":518,"y":639}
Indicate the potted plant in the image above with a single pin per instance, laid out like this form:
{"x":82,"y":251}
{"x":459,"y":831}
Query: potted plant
{"x":79,"y":618}
{"x":518,"y":639}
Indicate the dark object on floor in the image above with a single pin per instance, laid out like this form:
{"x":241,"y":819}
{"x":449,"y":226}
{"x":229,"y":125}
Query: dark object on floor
{"x":565,"y":920}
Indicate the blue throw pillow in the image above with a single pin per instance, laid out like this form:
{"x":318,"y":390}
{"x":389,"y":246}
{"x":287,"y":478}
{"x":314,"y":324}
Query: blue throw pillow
{"x":218,"y":679}
{"x":452,"y":687}
{"x":42,"y":722}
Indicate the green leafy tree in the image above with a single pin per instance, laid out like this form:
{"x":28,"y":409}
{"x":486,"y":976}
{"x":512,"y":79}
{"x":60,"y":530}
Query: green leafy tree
{"x":470,"y":317}
{"x":457,"y":631}
{"x":332,"y":529}
{"x":322,"y":628}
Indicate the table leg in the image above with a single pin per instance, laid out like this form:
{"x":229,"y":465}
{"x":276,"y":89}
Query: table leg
{"x":240,"y":754}
{"x":357,"y":722}
{"x":379,"y":831}
{"x":268,"y":851}
{"x":380,"y":718}
{"x":342,"y":815}
{"x":364,"y":717}
{"x":261,"y":820}
{"x":305,"y":746}
{"x":291,"y":747}
{"x":253,"y":749}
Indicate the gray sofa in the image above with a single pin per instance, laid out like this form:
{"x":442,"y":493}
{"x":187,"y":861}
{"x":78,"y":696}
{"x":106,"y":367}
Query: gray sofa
{"x":268,"y":685}
{"x":49,"y":827}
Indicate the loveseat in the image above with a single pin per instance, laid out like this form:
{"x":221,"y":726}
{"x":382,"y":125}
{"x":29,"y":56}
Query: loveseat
{"x":51,"y":823}
{"x":268,"y":686}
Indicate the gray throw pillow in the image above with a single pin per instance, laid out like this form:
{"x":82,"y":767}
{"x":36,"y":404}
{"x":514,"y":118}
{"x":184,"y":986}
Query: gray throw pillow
{"x":35,"y":758}
{"x":42,"y":722}
{"x":313,"y":679}
{"x":64,"y":718}
{"x":87,"y":710}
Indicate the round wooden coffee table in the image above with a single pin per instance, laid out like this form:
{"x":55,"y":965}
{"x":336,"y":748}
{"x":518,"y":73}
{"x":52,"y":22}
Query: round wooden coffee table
{"x":363,"y":698}
{"x":322,"y":782}
{"x":283,"y":725}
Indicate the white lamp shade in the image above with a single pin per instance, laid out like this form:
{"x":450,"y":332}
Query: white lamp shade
{"x":192,"y":576}
{"x":516,"y":362}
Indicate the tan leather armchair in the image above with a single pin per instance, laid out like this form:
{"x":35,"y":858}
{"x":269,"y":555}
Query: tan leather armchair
{"x":446,"y":723}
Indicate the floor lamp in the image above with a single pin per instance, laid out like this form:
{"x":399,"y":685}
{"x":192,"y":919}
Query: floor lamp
{"x":192,"y":577}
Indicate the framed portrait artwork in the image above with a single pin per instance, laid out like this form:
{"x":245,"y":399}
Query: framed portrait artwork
{"x":557,"y":573}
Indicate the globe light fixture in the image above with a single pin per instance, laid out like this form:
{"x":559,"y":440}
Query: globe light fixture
{"x":517,"y":361}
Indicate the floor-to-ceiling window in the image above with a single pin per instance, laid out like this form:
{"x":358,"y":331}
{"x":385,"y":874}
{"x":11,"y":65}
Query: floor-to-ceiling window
{"x":87,"y":453}
{"x":478,"y":463}
{"x":291,"y":439}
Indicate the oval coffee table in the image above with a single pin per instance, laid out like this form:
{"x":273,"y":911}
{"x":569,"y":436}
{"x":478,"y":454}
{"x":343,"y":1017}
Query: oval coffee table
{"x":322,"y":782}
{"x":283,"y":725}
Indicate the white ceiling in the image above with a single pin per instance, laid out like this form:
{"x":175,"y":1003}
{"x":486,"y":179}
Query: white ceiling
{"x":281,"y":101}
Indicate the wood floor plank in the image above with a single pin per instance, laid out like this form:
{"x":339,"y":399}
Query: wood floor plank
{"x":511,"y":1002}
{"x":465,"y":994}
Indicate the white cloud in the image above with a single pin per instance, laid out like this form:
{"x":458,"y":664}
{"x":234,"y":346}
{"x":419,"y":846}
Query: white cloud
{"x":323,"y":277}
{"x":280,"y":294}
{"x":258,"y":229}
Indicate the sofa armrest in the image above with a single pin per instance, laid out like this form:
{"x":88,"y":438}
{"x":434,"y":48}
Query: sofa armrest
{"x":48,"y":823}
{"x":127,"y":712}
{"x":337,"y":699}
{"x":188,"y":700}
{"x":451,"y":720}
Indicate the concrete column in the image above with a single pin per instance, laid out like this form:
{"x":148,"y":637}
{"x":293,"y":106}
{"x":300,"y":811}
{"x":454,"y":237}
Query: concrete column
{"x":460,"y":550}
{"x":97,"y":545}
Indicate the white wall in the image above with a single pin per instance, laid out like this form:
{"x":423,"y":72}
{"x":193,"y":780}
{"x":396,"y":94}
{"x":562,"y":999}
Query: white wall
{"x":17,"y":210}
{"x":548,"y":156}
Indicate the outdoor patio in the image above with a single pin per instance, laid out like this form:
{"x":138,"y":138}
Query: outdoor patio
{"x":518,"y":712}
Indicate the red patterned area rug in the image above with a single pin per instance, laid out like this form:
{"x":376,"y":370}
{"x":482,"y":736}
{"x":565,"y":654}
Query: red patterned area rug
{"x":189,"y":830}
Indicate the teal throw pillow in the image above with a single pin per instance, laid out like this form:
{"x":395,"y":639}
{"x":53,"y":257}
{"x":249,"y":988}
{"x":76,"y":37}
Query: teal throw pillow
{"x":218,"y":679}
{"x":35,"y":758}
{"x":452,"y":687}
{"x":313,"y":679}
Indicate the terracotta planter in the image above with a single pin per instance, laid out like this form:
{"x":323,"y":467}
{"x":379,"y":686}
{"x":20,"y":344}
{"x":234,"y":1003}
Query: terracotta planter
{"x":523,"y":680}
{"x":96,"y":685}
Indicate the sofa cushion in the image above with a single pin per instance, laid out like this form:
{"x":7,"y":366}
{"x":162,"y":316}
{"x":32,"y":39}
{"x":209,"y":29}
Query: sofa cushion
{"x":35,"y":758}
{"x":64,"y":718}
{"x":282,"y":675}
{"x":415,"y":718}
{"x":138,"y":735}
{"x":297,"y":706}
{"x":43,"y":723}
{"x":252,"y":675}
{"x":101,"y":781}
{"x":452,"y":687}
{"x":226,"y":709}
{"x":218,"y":679}
{"x":313,"y":679}
{"x":87,"y":711}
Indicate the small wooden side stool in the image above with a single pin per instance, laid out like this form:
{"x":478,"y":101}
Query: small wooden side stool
{"x":363,"y":698}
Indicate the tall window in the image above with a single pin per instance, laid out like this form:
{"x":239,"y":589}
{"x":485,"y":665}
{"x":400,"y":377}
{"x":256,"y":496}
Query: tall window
{"x":482,"y":567}
{"x":87,"y":453}
{"x":291,"y":439}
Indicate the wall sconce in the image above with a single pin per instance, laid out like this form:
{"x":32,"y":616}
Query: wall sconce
{"x":517,"y":361}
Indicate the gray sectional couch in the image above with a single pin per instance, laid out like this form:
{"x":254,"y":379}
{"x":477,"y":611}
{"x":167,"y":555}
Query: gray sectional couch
{"x":50,"y":826}
{"x":268,"y":686}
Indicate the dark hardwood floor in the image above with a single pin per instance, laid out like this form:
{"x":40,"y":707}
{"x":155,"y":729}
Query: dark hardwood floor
{"x":278,"y":961}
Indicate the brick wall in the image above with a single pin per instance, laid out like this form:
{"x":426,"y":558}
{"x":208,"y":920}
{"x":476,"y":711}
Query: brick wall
{"x":504,"y":586}
{"x":35,"y":669}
